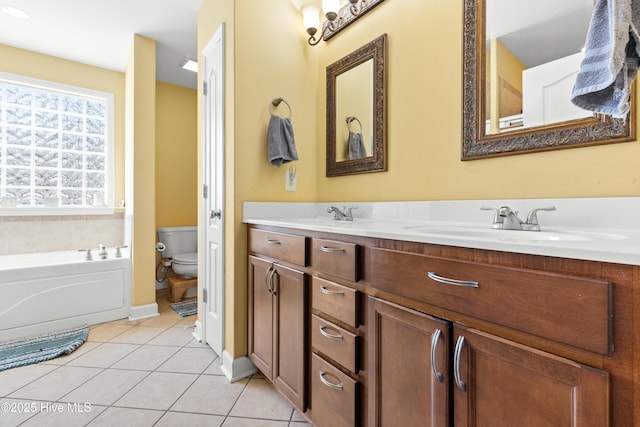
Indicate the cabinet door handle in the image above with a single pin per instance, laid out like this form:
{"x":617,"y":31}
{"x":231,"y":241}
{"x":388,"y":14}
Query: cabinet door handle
{"x":434,"y":346}
{"x":454,"y":282}
{"x":273,"y":242}
{"x":274,"y":291}
{"x":329,"y":384}
{"x":323,"y":331}
{"x":456,"y":364}
{"x":266,"y":278}
{"x":331,"y":249}
{"x":327,"y":291}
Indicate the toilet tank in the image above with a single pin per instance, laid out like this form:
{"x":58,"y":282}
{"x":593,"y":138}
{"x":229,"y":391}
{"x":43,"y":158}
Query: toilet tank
{"x":178,"y":240}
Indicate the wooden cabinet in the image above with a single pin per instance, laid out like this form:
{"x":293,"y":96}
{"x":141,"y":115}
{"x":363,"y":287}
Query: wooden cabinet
{"x":409,"y":384}
{"x":278,"y":315}
{"x":500,"y":383}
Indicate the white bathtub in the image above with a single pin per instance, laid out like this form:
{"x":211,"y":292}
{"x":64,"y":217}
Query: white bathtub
{"x":50,"y":291}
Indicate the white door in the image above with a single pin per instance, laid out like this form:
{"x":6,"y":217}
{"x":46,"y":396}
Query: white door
{"x":213,"y":194}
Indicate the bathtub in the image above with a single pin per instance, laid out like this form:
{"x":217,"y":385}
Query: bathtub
{"x":50,"y":291}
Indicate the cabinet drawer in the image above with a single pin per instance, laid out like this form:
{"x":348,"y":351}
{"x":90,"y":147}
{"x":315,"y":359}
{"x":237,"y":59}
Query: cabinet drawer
{"x":334,"y":396}
{"x":338,"y":259}
{"x":568,"y":309}
{"x":337,"y":301}
{"x":281,"y":246}
{"x":335,"y":342}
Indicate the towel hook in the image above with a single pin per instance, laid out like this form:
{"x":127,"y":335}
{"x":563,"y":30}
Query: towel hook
{"x":351,"y":119}
{"x":276,"y":101}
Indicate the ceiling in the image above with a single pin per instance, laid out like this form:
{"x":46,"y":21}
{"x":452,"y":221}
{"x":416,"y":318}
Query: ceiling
{"x":100,"y":32}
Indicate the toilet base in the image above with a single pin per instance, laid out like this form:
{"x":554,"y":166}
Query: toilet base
{"x":178,"y":286}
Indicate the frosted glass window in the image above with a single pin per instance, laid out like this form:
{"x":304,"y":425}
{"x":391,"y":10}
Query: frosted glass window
{"x":55,"y":141}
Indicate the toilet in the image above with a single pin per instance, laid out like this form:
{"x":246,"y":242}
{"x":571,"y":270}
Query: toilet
{"x":180,"y":246}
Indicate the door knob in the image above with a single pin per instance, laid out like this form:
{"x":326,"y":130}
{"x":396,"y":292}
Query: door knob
{"x":215,"y":214}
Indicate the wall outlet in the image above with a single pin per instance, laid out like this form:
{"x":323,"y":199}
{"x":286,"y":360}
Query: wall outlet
{"x":290,"y":180}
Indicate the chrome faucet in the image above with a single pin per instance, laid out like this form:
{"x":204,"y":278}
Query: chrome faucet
{"x":338,"y":215}
{"x":102,"y":251}
{"x":506,"y":219}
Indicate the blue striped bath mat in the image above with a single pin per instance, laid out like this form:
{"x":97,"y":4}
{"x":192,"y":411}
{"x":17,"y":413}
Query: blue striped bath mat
{"x":186,"y":308}
{"x":38,"y":349}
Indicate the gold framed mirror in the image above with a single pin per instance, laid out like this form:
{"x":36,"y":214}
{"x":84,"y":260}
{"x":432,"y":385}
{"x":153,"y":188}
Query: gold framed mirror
{"x":356,"y":115}
{"x":508,"y":107}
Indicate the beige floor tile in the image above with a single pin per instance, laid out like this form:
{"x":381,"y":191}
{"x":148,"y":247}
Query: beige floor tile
{"x":104,"y":355}
{"x":106,"y":387}
{"x":17,"y":411}
{"x":55,"y":414}
{"x":261,"y":400}
{"x":249,"y":422}
{"x":189,"y":360}
{"x":13,"y":379}
{"x":215,"y":368}
{"x":139,"y":335}
{"x":56,"y":384}
{"x":188,"y":322}
{"x":107,"y":331}
{"x":126,"y":417}
{"x":297,"y":416}
{"x":147,"y":358}
{"x":210,"y":395}
{"x":181,"y":419}
{"x":159,"y":390}
{"x":173,"y":336}
{"x":165,"y":320}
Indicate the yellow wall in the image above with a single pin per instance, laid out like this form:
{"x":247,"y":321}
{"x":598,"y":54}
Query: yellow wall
{"x":140,"y":122}
{"x":176,"y":156}
{"x":36,"y":65}
{"x":267,"y":57}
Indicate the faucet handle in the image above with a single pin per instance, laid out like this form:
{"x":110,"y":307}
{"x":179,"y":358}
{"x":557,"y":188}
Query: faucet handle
{"x":497,"y":219}
{"x":118,"y":253}
{"x":532,"y":217}
{"x":349,"y":214}
{"x":88,"y":251}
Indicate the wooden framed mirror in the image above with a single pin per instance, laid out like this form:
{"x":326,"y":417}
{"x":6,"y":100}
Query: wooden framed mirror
{"x":516,"y":99}
{"x":356,"y":116}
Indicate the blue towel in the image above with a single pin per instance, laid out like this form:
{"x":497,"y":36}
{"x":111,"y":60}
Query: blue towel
{"x":356,"y":146}
{"x":281,"y":145}
{"x":611,"y":58}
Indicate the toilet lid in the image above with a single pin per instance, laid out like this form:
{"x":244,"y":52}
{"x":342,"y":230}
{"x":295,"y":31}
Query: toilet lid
{"x":187,"y":258}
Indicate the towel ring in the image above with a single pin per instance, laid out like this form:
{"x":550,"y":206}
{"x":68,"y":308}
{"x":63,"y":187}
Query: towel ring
{"x":352,"y":119}
{"x":276,"y":101}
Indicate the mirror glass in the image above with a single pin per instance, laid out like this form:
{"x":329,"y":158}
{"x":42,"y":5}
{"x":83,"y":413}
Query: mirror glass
{"x":356,"y":111}
{"x":521,"y":59}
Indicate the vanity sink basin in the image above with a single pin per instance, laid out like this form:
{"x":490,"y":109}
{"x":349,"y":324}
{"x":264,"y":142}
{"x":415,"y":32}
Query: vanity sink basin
{"x":514,"y":235}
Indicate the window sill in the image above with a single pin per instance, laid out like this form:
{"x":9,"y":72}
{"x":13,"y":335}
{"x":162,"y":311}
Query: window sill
{"x":57,"y":211}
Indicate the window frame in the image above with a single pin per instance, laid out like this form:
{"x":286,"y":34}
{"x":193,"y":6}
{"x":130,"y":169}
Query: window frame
{"x":109,"y":190}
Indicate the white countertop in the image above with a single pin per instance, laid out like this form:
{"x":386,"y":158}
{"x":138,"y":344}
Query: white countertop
{"x":598,"y":229}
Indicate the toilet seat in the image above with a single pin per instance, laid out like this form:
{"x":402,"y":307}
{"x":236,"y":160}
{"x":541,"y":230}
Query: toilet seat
{"x":185,"y":264}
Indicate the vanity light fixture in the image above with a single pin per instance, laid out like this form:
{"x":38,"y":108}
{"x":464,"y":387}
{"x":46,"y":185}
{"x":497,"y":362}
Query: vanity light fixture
{"x":14,"y":11}
{"x":337,"y":17}
{"x":190,"y":65}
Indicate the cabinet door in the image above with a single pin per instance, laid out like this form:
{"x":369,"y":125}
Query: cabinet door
{"x":409,"y":351}
{"x":261,"y":316}
{"x":501,"y":383}
{"x":290,"y":297}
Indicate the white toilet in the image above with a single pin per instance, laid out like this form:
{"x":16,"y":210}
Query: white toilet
{"x":180,"y":244}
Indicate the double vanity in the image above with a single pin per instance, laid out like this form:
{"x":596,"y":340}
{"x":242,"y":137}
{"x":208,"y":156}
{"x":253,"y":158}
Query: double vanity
{"x":440,"y":313}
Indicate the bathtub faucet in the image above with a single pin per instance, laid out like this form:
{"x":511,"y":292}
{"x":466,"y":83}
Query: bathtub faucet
{"x":102,"y":251}
{"x":88,"y":257}
{"x":118,"y":253}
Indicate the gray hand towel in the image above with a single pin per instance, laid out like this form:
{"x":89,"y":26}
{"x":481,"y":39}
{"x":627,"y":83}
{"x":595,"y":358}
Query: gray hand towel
{"x":611,"y":61}
{"x":281,"y":145}
{"x":356,"y":146}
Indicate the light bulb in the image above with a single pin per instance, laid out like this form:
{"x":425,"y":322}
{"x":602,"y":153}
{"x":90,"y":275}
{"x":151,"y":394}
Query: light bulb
{"x":310,"y":17}
{"x":331,"y":8}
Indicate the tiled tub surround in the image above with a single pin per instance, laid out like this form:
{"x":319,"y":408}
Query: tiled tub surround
{"x":22,"y":234}
{"x":612,"y":225}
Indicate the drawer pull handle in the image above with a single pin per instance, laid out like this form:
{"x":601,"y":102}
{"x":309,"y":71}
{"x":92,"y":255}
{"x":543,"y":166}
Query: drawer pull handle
{"x":327,"y":291}
{"x":456,"y":364}
{"x":454,"y":282}
{"x":434,"y":346}
{"x":273,"y":242}
{"x":331,"y":250}
{"x":323,"y":331}
{"x":328,"y":383}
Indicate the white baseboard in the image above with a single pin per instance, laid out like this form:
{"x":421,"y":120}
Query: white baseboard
{"x":140,"y":312}
{"x":236,"y":369}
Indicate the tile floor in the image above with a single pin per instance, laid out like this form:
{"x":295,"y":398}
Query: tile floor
{"x":146,"y":373}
